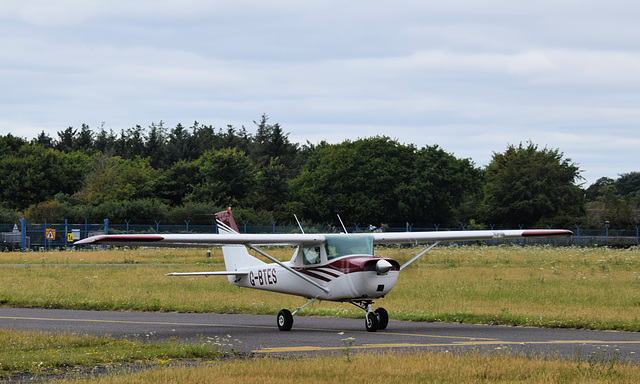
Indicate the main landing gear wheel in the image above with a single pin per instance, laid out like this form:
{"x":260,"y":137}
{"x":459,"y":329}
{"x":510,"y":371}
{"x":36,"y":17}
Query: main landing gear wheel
{"x":285,"y":320}
{"x":383,"y":318}
{"x":371,"y":322}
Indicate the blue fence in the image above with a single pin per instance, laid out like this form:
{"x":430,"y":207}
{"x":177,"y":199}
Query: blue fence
{"x":46,"y":236}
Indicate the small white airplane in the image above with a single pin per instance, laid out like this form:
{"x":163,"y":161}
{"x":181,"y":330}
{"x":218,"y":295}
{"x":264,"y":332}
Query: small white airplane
{"x":332,"y":267}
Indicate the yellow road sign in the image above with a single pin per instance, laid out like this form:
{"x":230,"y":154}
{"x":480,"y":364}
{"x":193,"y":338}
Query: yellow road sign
{"x":51,"y":234}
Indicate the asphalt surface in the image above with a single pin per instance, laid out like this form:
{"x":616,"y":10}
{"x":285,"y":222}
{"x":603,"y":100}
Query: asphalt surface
{"x":313,"y":335}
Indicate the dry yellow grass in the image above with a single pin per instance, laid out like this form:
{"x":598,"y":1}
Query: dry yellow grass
{"x":419,"y":367}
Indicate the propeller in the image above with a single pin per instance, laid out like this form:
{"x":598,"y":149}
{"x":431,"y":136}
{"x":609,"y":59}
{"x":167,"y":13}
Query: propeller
{"x":383,"y":266}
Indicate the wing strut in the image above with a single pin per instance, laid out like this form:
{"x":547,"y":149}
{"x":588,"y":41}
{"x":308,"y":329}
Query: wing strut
{"x":300,"y":275}
{"x":418,"y":255}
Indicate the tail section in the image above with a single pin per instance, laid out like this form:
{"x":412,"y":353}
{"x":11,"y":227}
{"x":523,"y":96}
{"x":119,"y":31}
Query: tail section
{"x":237,"y":257}
{"x":225,"y":222}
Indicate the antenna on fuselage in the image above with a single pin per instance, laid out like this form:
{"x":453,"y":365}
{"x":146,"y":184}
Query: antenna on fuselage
{"x":341,"y":223}
{"x":299,"y":225}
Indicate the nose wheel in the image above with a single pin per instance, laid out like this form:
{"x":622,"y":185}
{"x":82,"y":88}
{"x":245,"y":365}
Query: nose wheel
{"x":383,"y":318}
{"x":371,"y":322}
{"x":374,"y":320}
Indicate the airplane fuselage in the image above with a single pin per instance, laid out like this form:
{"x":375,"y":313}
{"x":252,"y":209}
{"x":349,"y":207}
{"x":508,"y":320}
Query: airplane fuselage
{"x":346,"y":278}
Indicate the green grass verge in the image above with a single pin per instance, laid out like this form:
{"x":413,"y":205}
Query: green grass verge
{"x":47,"y":353}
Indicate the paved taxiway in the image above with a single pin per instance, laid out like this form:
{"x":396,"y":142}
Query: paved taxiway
{"x":311,"y":335}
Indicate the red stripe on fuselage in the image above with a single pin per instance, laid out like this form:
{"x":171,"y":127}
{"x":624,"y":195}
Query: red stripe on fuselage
{"x":309,"y":273}
{"x":324,"y":269}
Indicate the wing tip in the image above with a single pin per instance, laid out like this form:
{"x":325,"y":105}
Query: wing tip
{"x":547,"y":233}
{"x":119,"y":239}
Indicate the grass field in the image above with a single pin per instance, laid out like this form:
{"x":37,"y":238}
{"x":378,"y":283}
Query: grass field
{"x":595,"y":288}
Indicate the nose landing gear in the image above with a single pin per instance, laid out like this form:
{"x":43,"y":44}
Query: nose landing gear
{"x":374,"y":320}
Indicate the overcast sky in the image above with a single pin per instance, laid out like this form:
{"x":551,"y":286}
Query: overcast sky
{"x":471,"y":76}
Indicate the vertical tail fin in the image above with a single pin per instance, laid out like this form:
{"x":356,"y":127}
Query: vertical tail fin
{"x":237,"y":257}
{"x":225,"y":222}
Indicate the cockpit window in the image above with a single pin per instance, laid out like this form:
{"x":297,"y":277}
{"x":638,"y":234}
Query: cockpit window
{"x":343,"y":245}
{"x":311,"y":255}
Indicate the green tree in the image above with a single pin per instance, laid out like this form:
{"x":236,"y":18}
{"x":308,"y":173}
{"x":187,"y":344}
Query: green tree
{"x":35,"y":174}
{"x":178,"y":182}
{"x":44,"y":140}
{"x":272,"y":187}
{"x":66,"y":139}
{"x":155,"y":146}
{"x":8,"y":215}
{"x":356,"y":180}
{"x":10,"y":144}
{"x":180,"y":145}
{"x":52,"y":211}
{"x":595,"y":189}
{"x":378,"y":180}
{"x":225,"y":177}
{"x":527,"y":186}
{"x":272,"y":143}
{"x":106,"y":142}
{"x":117,"y":179}
{"x":628,"y":184}
{"x":131,"y":143}
{"x":617,"y":210}
{"x":445,"y":190}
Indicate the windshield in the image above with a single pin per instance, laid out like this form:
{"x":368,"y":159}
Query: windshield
{"x":343,"y":245}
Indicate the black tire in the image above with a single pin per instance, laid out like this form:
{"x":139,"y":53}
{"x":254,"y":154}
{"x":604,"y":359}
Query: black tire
{"x":285,"y":320}
{"x":371,"y":322}
{"x":383,"y":318}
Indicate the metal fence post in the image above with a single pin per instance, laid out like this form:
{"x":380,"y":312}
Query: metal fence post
{"x":23,"y":226}
{"x":45,"y":234}
{"x":106,"y":226}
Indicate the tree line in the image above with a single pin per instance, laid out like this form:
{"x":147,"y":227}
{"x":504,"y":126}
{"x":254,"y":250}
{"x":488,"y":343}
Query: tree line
{"x":183,"y":174}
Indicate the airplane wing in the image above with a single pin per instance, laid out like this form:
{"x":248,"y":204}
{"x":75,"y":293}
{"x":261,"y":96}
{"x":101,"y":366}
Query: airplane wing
{"x":202,"y":240}
{"x":436,"y":236}
{"x":196,"y":240}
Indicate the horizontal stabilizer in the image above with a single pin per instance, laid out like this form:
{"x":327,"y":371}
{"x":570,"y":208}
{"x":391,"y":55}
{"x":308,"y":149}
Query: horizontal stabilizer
{"x":221,"y":273}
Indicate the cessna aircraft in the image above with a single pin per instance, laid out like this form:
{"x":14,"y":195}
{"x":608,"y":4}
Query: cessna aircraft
{"x":332,"y":267}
